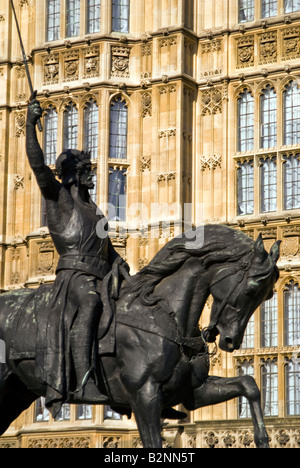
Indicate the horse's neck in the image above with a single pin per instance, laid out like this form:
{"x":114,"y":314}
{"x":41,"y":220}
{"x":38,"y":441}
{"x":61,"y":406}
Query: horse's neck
{"x":186,"y":292}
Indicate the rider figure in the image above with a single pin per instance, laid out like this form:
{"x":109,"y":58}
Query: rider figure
{"x":85,"y":258}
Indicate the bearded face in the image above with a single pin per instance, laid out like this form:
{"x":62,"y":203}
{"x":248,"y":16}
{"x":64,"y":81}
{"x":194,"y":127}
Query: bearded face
{"x":86,"y":175}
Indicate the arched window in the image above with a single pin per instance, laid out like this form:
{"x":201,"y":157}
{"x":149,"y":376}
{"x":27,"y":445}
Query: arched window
{"x":50,"y":136}
{"x":117,"y":194}
{"x":245,"y":187}
{"x":70,"y":127}
{"x":292,"y":314}
{"x":118,"y":129}
{"x":291,"y":110}
{"x":246,"y":368}
{"x":91,"y":122}
{"x":292,"y":386}
{"x":93,"y":15}
{"x":269,"y":323}
{"x":268,"y":185}
{"x":291,"y":181}
{"x":246,"y":122}
{"x":269,"y":377}
{"x":120,"y":15}
{"x":53,"y":20}
{"x":268,"y":118}
{"x":73,"y":18}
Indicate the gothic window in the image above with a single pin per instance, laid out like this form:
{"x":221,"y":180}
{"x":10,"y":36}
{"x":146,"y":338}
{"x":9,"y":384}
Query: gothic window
{"x":110,"y":414}
{"x":246,"y":122}
{"x":41,"y":412}
{"x":268,"y":185}
{"x":292,"y":315}
{"x":120,"y":15}
{"x":269,"y":325}
{"x":91,"y":122}
{"x":291,"y":5}
{"x":117,"y":194}
{"x":93,"y":16}
{"x":245,"y":188}
{"x":291,"y":110}
{"x":246,"y":368}
{"x":64,"y":414}
{"x":268,"y":8}
{"x":50,"y":136}
{"x":118,"y":130}
{"x":248,"y":341}
{"x":84,"y":412}
{"x":53,"y":20}
{"x":73,"y":18}
{"x":268,"y":110}
{"x":246,"y":10}
{"x":292,"y":382}
{"x":70,"y":127}
{"x":291,"y":181}
{"x":269,"y":375}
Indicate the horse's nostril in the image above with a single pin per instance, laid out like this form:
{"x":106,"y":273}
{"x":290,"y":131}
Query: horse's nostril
{"x":229,"y":342}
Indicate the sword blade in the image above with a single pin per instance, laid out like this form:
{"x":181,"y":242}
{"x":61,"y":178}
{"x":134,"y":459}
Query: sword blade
{"x":25,"y":61}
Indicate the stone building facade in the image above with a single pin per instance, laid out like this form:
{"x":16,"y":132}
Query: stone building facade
{"x":191,"y":111}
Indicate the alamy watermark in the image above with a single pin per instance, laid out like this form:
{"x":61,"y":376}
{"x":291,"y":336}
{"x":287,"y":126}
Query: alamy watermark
{"x":2,"y":352}
{"x":145,"y":221}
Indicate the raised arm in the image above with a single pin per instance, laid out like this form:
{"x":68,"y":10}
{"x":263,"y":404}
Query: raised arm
{"x":49,"y":186}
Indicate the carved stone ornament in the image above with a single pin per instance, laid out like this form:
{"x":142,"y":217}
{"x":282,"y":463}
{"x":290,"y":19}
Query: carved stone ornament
{"x":45,"y":264}
{"x":211,"y":101}
{"x":51,"y":69}
{"x":20,"y":124}
{"x":91,"y":62}
{"x":146,"y":104}
{"x":245,"y":51}
{"x":120,"y":61}
{"x":268,"y":47}
{"x":71,"y":65}
{"x":210,"y":162}
{"x":291,"y":43}
{"x":18,"y":182}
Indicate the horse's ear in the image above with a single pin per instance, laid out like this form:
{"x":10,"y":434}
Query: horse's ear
{"x":275,"y":251}
{"x":259,"y":248}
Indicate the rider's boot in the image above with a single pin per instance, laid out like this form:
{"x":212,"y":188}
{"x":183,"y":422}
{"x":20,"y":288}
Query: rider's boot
{"x":87,"y":390}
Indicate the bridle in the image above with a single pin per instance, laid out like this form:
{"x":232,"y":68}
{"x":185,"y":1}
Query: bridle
{"x":241,"y":270}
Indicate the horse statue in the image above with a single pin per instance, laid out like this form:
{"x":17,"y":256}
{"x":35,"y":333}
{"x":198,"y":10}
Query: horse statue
{"x":161,"y":356}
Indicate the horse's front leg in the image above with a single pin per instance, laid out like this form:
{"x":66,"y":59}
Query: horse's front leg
{"x":147,"y":406}
{"x":218,"y":390}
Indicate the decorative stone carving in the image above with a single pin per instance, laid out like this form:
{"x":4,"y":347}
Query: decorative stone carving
{"x":268,"y":47}
{"x":51,"y":69}
{"x":245,"y":51}
{"x":146,"y":104}
{"x":71,"y":65}
{"x":146,"y":50}
{"x":21,"y":72}
{"x":120,"y":61}
{"x":169,"y":133}
{"x":18,"y":182}
{"x":145,"y":164}
{"x":211,"y":102}
{"x":20,"y":123}
{"x":45,"y":265}
{"x":212,"y":46}
{"x":167,"y":41}
{"x":59,"y":442}
{"x":291,"y":43}
{"x":210,"y":162}
{"x":91,"y":62}
{"x":111,"y":442}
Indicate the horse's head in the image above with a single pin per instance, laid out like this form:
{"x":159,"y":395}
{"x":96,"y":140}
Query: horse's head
{"x":238,"y":290}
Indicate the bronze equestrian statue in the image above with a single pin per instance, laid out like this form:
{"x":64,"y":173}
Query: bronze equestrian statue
{"x":140,"y":344}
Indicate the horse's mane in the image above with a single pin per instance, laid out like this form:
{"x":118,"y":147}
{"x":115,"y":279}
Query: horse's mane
{"x":211,"y":243}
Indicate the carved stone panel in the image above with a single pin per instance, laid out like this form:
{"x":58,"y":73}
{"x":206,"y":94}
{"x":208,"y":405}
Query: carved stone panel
{"x":71,"y":65}
{"x":245,"y":51}
{"x":91,"y":62}
{"x":120,"y":61}
{"x":268,"y":47}
{"x":291,"y":43}
{"x":51,"y":69}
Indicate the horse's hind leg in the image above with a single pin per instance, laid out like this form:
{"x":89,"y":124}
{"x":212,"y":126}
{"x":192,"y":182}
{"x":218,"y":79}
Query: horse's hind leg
{"x":147,"y":405}
{"x":218,"y":390}
{"x":14,"y":399}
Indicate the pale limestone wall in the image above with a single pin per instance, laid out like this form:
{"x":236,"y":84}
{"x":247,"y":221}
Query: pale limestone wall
{"x":184,"y":64}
